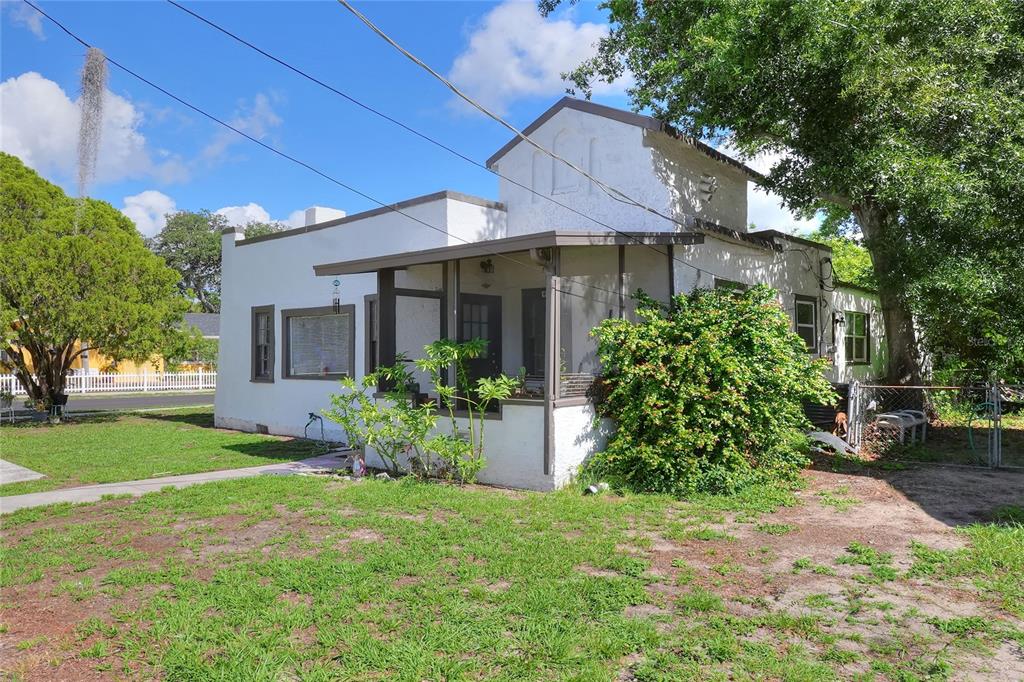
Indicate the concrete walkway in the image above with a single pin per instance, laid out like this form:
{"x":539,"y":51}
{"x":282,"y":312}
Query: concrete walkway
{"x":13,"y":473}
{"x":93,"y":493}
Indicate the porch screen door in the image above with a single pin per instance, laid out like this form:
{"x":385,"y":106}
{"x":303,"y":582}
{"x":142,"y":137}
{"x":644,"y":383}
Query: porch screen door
{"x":480,"y":318}
{"x":533,"y":331}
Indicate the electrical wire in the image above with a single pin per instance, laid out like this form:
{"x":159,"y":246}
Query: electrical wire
{"x":422,"y":135}
{"x":613,"y":303}
{"x":308,"y":166}
{"x":607,"y":189}
{"x":612,"y":192}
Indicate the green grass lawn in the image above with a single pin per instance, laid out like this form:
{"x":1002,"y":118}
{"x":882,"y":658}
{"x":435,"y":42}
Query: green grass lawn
{"x":125,"y":447}
{"x":287,"y":578}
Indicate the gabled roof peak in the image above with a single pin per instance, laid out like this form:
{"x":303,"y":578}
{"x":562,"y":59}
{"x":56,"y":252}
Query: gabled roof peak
{"x":623,"y":116}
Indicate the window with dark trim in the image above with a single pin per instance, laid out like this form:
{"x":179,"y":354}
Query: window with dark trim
{"x":318,"y":343}
{"x":262,"y":360}
{"x":857,"y":340}
{"x":805,"y":317}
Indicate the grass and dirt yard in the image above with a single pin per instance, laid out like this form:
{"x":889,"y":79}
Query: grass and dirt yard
{"x":864,"y":573}
{"x":106,"y":448}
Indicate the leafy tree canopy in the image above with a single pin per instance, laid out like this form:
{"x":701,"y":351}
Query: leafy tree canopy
{"x":59,"y":283}
{"x":255,"y":228}
{"x":190,"y":243}
{"x":851,"y":262}
{"x":907,"y":116}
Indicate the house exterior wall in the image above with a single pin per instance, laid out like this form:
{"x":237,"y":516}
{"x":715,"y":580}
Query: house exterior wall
{"x":513,"y":446}
{"x":858,"y":300}
{"x":279,"y":272}
{"x":576,"y":440}
{"x":649,"y":166}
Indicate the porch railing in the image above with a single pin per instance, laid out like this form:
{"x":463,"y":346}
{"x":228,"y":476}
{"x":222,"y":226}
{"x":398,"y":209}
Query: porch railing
{"x":200,"y":380}
{"x":574,"y":385}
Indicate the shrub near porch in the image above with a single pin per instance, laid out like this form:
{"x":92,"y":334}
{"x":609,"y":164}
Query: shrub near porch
{"x":707,"y":395}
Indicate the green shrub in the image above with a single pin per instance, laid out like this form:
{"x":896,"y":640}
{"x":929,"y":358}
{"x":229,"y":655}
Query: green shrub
{"x":706,"y":396}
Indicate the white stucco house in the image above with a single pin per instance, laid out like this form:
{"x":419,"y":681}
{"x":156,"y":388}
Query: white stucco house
{"x":533,"y":272}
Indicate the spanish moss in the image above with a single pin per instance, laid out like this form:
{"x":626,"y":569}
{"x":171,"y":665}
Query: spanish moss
{"x":94,"y":86}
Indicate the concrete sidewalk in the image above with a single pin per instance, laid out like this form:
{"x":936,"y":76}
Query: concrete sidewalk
{"x":13,"y":473}
{"x":93,"y":493}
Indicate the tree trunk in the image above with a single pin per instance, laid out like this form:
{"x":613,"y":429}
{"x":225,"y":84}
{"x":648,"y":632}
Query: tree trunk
{"x":46,"y":378}
{"x":903,"y":361}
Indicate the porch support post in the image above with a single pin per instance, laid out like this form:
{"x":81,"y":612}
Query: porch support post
{"x":447,"y":309}
{"x":622,"y":281}
{"x":552,"y":360}
{"x":386,"y":322}
{"x":671,"y":249}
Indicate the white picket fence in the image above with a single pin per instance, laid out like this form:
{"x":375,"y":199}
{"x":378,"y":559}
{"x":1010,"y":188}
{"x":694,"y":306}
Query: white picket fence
{"x":125,"y":383}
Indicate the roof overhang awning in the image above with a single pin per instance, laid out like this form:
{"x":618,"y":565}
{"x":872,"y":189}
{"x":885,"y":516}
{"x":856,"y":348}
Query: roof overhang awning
{"x":539,"y":240}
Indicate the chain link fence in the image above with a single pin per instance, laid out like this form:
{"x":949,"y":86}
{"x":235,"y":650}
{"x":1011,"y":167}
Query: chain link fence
{"x":975,"y":425}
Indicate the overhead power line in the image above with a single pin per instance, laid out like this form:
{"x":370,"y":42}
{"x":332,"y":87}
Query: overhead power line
{"x":410,"y":129}
{"x":613,"y":192}
{"x":429,"y":138}
{"x":302,"y":163}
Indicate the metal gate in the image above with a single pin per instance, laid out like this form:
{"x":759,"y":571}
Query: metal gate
{"x":974,"y":425}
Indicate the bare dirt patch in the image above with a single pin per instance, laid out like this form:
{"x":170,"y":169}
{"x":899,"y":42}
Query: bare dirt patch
{"x":790,"y":561}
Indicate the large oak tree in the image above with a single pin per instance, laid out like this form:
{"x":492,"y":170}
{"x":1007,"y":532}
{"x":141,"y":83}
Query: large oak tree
{"x":65,"y":288}
{"x":906,"y":115}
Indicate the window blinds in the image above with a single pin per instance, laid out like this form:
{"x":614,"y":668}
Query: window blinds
{"x":319,"y":344}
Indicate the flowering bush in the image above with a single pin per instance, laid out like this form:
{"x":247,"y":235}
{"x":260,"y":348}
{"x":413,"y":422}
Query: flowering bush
{"x":707,"y":395}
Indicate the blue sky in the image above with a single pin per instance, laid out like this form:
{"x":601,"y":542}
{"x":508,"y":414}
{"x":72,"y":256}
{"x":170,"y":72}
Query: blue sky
{"x":156,"y":155}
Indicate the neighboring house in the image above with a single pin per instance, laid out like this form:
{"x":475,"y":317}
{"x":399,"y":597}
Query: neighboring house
{"x":208,"y":324}
{"x":530,"y":276}
{"x":93,"y":361}
{"x":203,"y":357}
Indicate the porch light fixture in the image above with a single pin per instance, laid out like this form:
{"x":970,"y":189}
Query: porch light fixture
{"x":486,"y":273}
{"x":336,"y":298}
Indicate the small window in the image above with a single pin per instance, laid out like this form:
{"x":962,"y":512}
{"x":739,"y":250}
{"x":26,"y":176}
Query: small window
{"x":730,"y":285}
{"x":319,"y":343}
{"x":263,"y":343}
{"x":806,"y":316}
{"x":857,"y":341}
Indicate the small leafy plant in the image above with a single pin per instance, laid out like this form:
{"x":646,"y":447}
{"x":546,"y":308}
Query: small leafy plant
{"x":462,"y":451}
{"x":394,"y":427}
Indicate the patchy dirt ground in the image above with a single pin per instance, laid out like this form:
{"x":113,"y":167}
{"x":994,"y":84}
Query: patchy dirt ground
{"x":794,"y":562}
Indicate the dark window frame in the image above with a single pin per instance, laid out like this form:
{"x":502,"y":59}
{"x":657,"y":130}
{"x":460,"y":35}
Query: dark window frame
{"x":799,"y":300}
{"x":318,"y":311}
{"x":848,"y":337}
{"x":254,"y":312}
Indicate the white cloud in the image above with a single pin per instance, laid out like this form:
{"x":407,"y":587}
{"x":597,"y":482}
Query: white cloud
{"x":766,"y":212}
{"x":257,"y":119}
{"x":765,"y":209}
{"x":40,"y":126}
{"x":515,"y":52}
{"x":238,"y":216}
{"x":23,"y":15}
{"x":148,"y":210}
